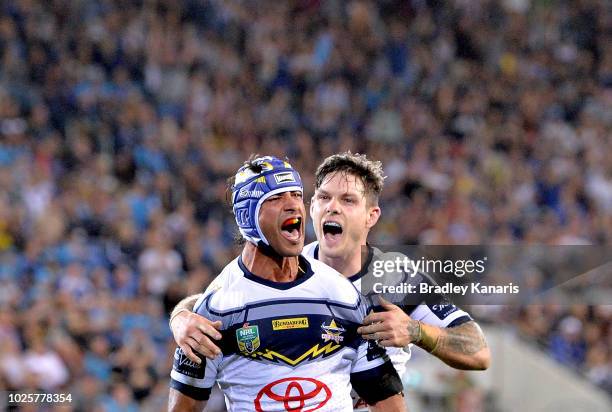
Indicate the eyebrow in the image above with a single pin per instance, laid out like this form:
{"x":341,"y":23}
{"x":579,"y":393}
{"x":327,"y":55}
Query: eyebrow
{"x":345,"y":194}
{"x":281,"y":193}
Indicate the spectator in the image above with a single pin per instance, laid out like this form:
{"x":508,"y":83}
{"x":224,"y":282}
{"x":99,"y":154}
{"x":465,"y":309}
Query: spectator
{"x":47,"y":368}
{"x":120,"y":121}
{"x":567,"y":346}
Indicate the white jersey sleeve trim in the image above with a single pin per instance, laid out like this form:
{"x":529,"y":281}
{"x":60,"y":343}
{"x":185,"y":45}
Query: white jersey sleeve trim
{"x":425,"y":314}
{"x":195,"y":382}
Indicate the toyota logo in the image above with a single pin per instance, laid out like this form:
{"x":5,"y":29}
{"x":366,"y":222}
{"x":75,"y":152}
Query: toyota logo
{"x":293,"y":394}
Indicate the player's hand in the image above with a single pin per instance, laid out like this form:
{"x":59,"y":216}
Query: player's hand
{"x":392,"y":327}
{"x":192,"y":332}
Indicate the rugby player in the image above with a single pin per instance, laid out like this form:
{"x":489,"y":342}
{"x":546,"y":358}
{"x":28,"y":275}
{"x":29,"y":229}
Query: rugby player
{"x":287,"y":322}
{"x":344,"y":208}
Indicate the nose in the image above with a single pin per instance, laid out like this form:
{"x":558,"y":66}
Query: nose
{"x":333,"y":207}
{"x":291,"y":203}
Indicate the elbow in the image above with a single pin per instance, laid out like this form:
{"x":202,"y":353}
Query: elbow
{"x":482,"y":359}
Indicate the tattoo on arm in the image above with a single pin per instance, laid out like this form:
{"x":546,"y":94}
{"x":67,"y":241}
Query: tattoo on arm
{"x":466,"y":339}
{"x":186,"y":303}
{"x":414,"y":331}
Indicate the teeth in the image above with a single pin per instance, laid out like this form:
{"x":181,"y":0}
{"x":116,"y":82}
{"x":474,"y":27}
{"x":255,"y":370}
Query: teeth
{"x":332,"y":228}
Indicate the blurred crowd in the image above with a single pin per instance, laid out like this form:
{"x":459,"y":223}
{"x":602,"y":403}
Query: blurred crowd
{"x":120,"y":121}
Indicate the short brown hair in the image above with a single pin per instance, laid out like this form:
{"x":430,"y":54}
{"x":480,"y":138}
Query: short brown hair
{"x":369,"y":171}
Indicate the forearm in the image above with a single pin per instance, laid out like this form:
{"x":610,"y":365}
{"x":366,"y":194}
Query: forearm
{"x":185,"y":304}
{"x":462,"y":347}
{"x":177,"y":402}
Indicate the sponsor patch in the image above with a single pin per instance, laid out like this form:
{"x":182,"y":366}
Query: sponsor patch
{"x":374,"y":351}
{"x":293,"y":394}
{"x":443,"y":311}
{"x":185,"y":366}
{"x":284,"y":177}
{"x":250,"y":193}
{"x":290,"y":323}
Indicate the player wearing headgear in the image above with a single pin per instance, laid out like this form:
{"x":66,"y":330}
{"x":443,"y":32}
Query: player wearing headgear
{"x":288,"y":323}
{"x":344,"y":209}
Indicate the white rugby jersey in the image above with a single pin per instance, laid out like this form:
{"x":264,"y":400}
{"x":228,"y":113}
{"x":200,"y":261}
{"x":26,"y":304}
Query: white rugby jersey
{"x":285,"y":346}
{"x":435,"y":310}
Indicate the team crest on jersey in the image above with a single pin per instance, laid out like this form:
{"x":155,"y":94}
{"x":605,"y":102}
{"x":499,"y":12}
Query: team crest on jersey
{"x":332,"y":332}
{"x":248,"y":338}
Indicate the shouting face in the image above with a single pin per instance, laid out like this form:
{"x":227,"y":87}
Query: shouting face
{"x":281,"y":219}
{"x":341,"y":214}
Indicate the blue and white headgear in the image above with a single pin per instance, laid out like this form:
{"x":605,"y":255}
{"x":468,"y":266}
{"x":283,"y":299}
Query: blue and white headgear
{"x":251,"y":189}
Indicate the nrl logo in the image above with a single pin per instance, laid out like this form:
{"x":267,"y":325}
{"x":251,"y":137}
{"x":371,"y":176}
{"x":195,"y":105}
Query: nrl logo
{"x":248,"y":338}
{"x":332,"y":332}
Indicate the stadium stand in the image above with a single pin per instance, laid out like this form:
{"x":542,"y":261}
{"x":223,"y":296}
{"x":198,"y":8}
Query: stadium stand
{"x":121,"y":119}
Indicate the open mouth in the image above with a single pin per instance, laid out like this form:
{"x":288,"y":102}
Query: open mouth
{"x":291,"y":228}
{"x":332,"y":229}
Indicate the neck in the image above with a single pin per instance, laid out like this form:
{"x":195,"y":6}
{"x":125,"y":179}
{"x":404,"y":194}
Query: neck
{"x":348,"y":264}
{"x":273,"y":268}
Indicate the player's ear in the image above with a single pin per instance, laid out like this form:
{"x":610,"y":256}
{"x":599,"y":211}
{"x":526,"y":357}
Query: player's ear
{"x":312,"y":200}
{"x":373,"y":216}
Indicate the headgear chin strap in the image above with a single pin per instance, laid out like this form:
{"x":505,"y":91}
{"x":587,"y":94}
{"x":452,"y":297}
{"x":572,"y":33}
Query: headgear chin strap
{"x":251,"y":189}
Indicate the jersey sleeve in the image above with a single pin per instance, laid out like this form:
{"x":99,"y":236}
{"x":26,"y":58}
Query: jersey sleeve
{"x":189,"y":378}
{"x":444,"y":315}
{"x":373,"y":376}
{"x":436,"y":309}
